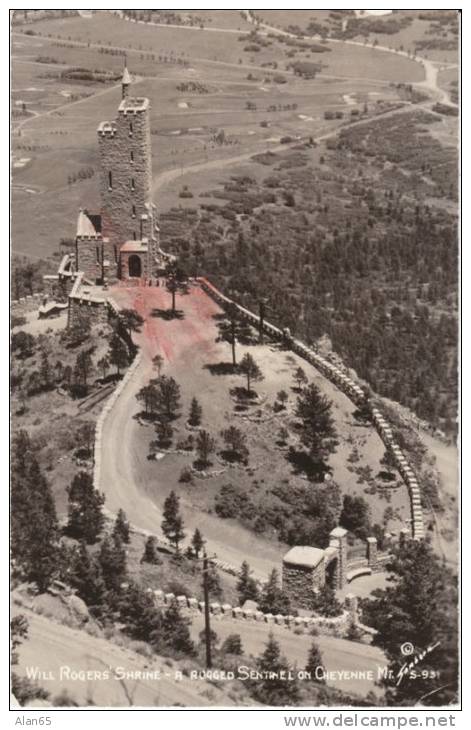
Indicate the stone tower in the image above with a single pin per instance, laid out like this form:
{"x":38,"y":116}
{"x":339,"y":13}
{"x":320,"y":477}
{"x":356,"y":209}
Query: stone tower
{"x":123,"y":240}
{"x":127,"y":212}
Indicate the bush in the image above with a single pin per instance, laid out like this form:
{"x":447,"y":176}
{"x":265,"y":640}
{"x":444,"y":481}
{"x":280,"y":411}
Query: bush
{"x":233,"y":502}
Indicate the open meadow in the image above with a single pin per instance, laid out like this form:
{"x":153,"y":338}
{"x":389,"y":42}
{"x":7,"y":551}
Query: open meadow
{"x":211,"y":101}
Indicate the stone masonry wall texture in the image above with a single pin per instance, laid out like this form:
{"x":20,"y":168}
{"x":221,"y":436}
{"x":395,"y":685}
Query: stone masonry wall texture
{"x":125,"y":152}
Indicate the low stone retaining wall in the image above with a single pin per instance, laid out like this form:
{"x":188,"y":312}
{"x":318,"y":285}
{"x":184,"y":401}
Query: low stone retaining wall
{"x":348,"y":386}
{"x":337,"y":626}
{"x":27,"y":304}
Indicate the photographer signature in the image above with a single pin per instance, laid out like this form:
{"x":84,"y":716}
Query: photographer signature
{"x":406,"y":668}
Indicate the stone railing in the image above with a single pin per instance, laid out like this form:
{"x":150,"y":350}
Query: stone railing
{"x":335,"y":626}
{"x":27,"y":304}
{"x":348,"y":386}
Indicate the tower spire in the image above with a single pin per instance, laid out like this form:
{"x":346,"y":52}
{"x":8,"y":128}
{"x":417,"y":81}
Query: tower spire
{"x":126,"y":80}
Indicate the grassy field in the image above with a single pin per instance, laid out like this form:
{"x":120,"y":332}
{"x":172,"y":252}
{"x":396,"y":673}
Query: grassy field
{"x":55,"y":118}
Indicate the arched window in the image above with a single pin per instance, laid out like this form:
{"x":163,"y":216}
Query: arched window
{"x":133,"y":211}
{"x":97,"y":255}
{"x":132,"y":156}
{"x":130,"y":129}
{"x":134,"y":235}
{"x":110,"y":180}
{"x":132,"y":183}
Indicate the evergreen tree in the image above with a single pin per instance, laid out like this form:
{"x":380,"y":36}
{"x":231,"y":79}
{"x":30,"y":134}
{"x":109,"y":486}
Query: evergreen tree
{"x":419,"y":607}
{"x":34,"y":528}
{"x":196,"y":413}
{"x":86,"y":437}
{"x":300,"y":378}
{"x":318,"y":432}
{"x":250,"y":369}
{"x":150,"y":554}
{"x":205,"y":446}
{"x":173,"y":633}
{"x":214,"y":583}
{"x":272,"y":598}
{"x":232,"y":328}
{"x":112,"y":560}
{"x":355,"y":516}
{"x":236,"y":442}
{"x":232,"y":645}
{"x":315,"y":664}
{"x":85,"y":508}
{"x":246,"y":585}
{"x":138,"y":613}
{"x":325,"y":602}
{"x":118,"y":353}
{"x":86,"y":577}
{"x":121,"y":526}
{"x":172,"y":524}
{"x":197,"y":542}
{"x":278,"y":689}
{"x":131,"y":320}
{"x":167,"y":396}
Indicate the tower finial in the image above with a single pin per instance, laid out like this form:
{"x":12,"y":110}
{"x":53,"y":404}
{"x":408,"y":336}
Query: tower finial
{"x":126,"y":80}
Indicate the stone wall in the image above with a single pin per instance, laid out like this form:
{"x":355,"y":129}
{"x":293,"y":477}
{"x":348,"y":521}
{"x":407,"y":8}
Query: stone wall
{"x":300,"y":582}
{"x":27,"y":304}
{"x":337,"y":626}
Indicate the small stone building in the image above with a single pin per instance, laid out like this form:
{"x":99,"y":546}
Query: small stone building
{"x":307,"y":570}
{"x":303,"y":574}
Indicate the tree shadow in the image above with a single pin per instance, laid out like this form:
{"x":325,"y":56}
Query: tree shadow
{"x":303,"y":463}
{"x":200,"y":465}
{"x":249,"y":397}
{"x":167,"y":314}
{"x":220,"y":368}
{"x":148,"y":417}
{"x":233,"y":457}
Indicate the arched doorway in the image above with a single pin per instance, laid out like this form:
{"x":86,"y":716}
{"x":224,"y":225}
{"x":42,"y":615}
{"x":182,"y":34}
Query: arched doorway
{"x":135,"y":266}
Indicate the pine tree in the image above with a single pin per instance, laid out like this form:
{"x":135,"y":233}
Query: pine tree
{"x":272,"y":598}
{"x":112,"y":560}
{"x":118,"y":353}
{"x":246,"y":585}
{"x":197,"y":542}
{"x":214,"y":583}
{"x":300,"y":377}
{"x":250,"y":369}
{"x":150,"y":554}
{"x":280,"y":688}
{"x":121,"y":526}
{"x":315,"y":664}
{"x":232,"y":645}
{"x":173,"y":633}
{"x":34,"y":528}
{"x":205,"y":446}
{"x":318,"y":431}
{"x":85,"y":508}
{"x":419,"y":607}
{"x":172,"y":524}
{"x":325,"y":602}
{"x":85,"y":575}
{"x":196,"y":413}
{"x":138,"y":613}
